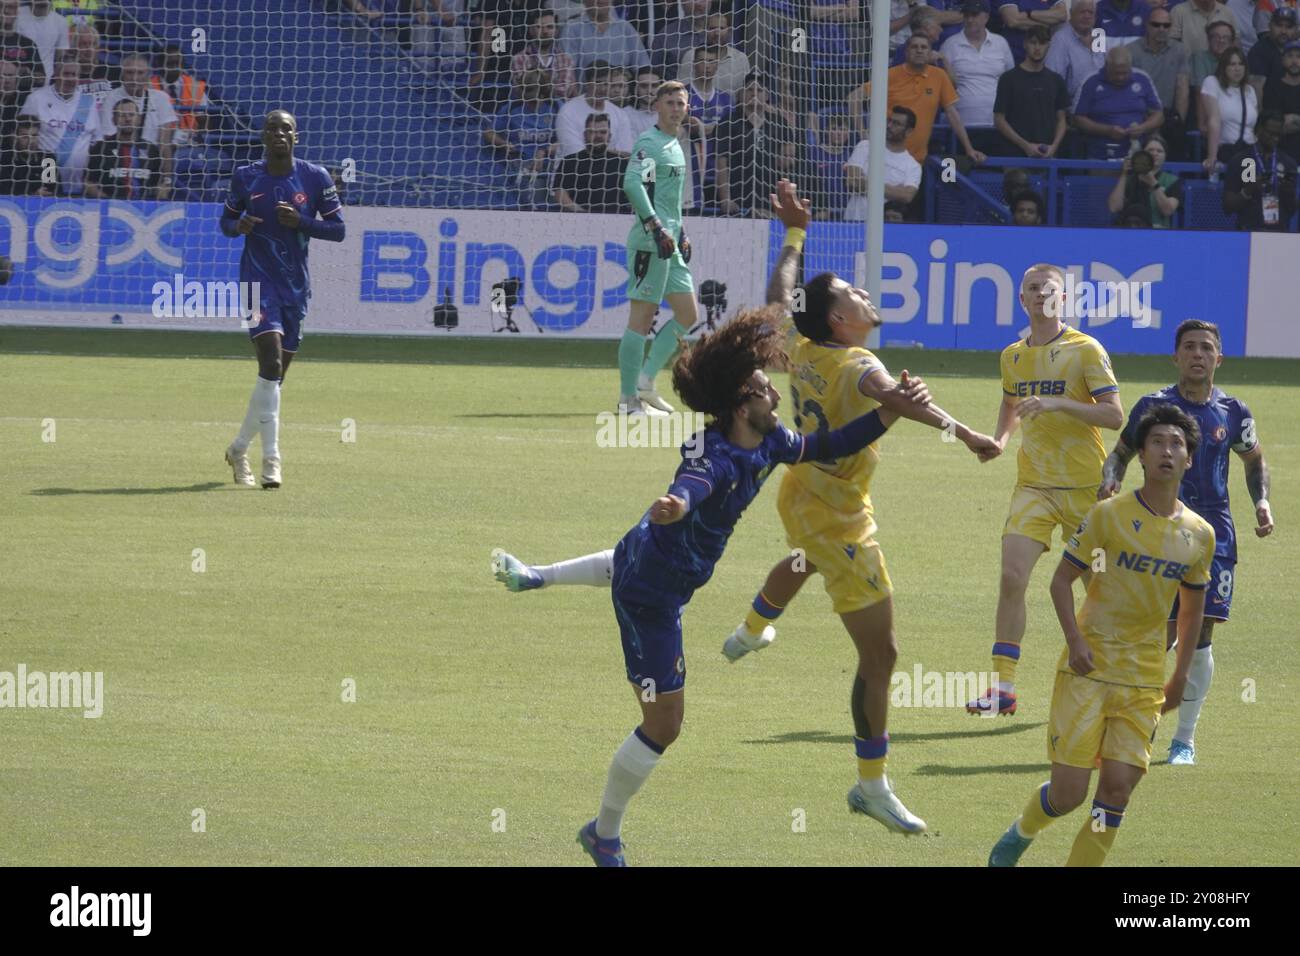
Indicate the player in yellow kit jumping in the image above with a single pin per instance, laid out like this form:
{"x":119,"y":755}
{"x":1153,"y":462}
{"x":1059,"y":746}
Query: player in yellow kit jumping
{"x":827,"y":512}
{"x":1058,"y":385}
{"x":1144,"y":549}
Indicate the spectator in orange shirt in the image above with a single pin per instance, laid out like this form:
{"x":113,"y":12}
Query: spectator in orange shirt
{"x":924,"y":89}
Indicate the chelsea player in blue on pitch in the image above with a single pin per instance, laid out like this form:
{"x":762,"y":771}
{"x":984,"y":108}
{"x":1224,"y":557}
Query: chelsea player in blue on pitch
{"x":273,"y":204}
{"x":1225,"y":423}
{"x":671,"y":552}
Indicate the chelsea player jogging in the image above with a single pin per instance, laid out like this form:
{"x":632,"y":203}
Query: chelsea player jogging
{"x":273,"y":204}
{"x":1225,"y":423}
{"x":657,"y":254}
{"x":1058,"y":387}
{"x":826,"y":508}
{"x":1144,"y":549}
{"x":671,"y":552}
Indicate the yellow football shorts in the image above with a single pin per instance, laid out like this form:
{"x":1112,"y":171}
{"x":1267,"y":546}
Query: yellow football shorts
{"x":1091,"y":719}
{"x":839,"y":545}
{"x":1035,"y":512}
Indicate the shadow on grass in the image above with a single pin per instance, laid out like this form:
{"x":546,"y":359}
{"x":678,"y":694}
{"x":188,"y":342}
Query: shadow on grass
{"x":168,"y":490}
{"x":942,"y":770}
{"x":822,"y":737}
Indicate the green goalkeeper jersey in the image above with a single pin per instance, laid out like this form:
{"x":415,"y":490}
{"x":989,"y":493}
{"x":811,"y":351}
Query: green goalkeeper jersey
{"x":653,"y":183}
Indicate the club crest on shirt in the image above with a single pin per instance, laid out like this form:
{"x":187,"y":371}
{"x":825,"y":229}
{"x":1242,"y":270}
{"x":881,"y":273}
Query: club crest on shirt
{"x":1220,"y":433}
{"x":1137,"y":525}
{"x":1187,"y":536}
{"x":1136,"y":87}
{"x":300,"y":199}
{"x":1053,"y":354}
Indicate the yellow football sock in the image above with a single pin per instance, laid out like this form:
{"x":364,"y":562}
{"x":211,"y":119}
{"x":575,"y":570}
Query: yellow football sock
{"x":761,"y":613}
{"x":1039,"y":812}
{"x":872,"y":755}
{"x":1096,"y":836}
{"x":1005,"y":658}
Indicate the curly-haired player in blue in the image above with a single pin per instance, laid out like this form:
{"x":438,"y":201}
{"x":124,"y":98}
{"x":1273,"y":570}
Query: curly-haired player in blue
{"x":672,"y":550}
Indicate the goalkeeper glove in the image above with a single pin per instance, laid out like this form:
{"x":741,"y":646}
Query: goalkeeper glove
{"x":663,"y":241}
{"x":684,"y":245}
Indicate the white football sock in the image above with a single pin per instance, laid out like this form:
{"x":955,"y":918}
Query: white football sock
{"x":248,"y":431}
{"x":595,"y":570}
{"x":632,"y":764}
{"x":1198,"y":686}
{"x":269,"y":416}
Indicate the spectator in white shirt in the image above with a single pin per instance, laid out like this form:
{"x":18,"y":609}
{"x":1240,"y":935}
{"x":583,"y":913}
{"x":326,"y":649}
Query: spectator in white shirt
{"x":1229,"y":109}
{"x":902,"y":172}
{"x":69,"y":123}
{"x":48,"y":30}
{"x":975,"y":59}
{"x":570,"y":122}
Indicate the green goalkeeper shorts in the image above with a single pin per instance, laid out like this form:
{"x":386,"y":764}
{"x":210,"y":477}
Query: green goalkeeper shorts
{"x":651,"y":279}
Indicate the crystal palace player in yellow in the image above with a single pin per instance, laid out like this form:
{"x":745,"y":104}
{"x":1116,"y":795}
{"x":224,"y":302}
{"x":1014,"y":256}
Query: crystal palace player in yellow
{"x":827,"y":511}
{"x":1058,"y":384}
{"x":1144,"y":549}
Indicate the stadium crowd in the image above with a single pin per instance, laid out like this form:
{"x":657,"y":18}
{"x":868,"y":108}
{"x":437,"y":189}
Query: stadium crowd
{"x":1191,"y":81}
{"x":564,"y":87}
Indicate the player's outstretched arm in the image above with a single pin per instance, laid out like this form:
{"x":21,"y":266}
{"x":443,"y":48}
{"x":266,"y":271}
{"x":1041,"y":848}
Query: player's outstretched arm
{"x":1191,"y":615}
{"x":1257,"y":482}
{"x":1062,"y":589}
{"x":668,"y":509}
{"x":1113,"y":470}
{"x":880,"y":386}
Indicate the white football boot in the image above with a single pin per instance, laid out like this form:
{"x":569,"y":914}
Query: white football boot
{"x":270,"y":472}
{"x":238,"y":461}
{"x":645,"y":390}
{"x":741,"y":642}
{"x":885,"y":808}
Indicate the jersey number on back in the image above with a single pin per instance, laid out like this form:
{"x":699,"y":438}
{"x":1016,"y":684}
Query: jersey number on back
{"x":808,"y":409}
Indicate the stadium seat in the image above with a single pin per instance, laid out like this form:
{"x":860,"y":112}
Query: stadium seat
{"x":1203,"y":204}
{"x":1084,"y":200}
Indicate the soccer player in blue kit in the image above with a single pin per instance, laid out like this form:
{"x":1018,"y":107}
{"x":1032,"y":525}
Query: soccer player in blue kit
{"x":273,"y":204}
{"x":671,"y":552}
{"x":1225,"y":423}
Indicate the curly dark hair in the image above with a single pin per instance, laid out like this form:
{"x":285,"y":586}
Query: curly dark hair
{"x":712,"y":375}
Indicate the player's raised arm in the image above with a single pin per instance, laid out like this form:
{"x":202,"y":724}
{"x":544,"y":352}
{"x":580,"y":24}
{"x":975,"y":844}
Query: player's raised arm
{"x":795,"y":214}
{"x":1115,"y":466}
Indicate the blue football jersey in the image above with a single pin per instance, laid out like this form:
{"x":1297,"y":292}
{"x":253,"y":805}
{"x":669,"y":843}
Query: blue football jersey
{"x":1226,"y":424}
{"x":275,"y":256}
{"x":718,"y":484}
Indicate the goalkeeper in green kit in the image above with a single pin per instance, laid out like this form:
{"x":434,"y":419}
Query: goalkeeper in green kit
{"x":657,"y":254}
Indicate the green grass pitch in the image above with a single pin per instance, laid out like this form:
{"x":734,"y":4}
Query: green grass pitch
{"x":484,"y":722}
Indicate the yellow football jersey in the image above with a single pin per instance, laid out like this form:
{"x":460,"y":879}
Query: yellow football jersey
{"x":1058,"y":450}
{"x":824,"y":394}
{"x":1146,"y":557}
